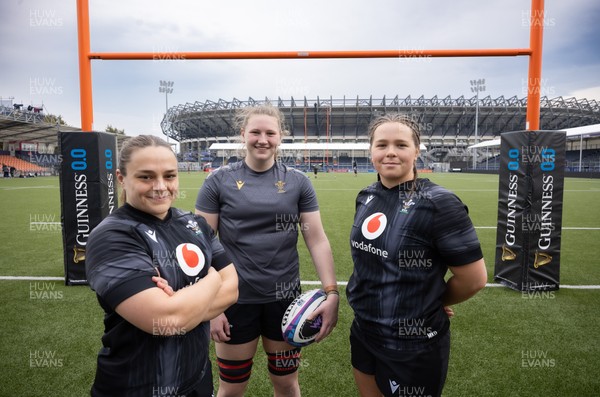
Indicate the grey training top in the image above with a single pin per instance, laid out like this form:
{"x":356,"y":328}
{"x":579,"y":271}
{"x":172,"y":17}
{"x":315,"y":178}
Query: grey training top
{"x":259,"y":214}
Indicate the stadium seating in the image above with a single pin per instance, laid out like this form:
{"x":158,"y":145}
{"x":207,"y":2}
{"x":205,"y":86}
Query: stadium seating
{"x":21,"y":166}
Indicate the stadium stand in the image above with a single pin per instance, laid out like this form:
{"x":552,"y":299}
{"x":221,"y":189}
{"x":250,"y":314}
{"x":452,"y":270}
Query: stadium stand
{"x":447,"y":124}
{"x":22,"y":167}
{"x":20,"y":125}
{"x":28,"y":141}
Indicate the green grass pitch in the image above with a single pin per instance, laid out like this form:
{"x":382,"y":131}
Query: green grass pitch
{"x":504,"y":343}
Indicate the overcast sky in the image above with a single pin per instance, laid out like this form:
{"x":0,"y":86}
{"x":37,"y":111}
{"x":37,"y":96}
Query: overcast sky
{"x":39,"y":64}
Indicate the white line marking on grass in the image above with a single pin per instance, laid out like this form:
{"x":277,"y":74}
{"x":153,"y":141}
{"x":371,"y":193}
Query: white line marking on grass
{"x":316,"y":283}
{"x":344,"y":283}
{"x":492,"y":285}
{"x":580,"y":286}
{"x":474,"y":190}
{"x":31,"y":278}
{"x":564,"y":228}
{"x":28,"y":187}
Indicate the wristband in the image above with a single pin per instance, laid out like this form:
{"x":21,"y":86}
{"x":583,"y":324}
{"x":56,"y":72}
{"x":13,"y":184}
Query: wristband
{"x":333,"y":292}
{"x":331,"y":288}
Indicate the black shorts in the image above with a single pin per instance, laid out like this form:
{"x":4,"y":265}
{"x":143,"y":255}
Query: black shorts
{"x":205,"y":388}
{"x":403,"y":373}
{"x":249,"y":321}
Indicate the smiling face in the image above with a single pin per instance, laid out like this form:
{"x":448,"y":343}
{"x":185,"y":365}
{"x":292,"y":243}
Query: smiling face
{"x":394,"y":153}
{"x":150,"y":180}
{"x":261,"y":137}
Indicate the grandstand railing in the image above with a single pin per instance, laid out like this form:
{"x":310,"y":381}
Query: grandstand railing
{"x":346,"y":119}
{"x":23,"y":115}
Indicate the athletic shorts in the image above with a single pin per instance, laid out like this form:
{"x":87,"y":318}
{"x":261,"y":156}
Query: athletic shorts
{"x":249,"y":321}
{"x":403,"y":373}
{"x":205,"y":388}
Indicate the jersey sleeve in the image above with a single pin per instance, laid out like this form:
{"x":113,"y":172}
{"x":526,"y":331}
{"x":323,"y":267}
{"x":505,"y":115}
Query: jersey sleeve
{"x":360,"y":197}
{"x":208,"y":195}
{"x":308,"y":197}
{"x":220,"y":259}
{"x":117,"y":265}
{"x":454,"y":233}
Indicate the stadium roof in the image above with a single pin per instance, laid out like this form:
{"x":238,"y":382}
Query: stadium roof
{"x":347,"y":119}
{"x":28,"y":126}
{"x":586,"y":131}
{"x":18,"y":125}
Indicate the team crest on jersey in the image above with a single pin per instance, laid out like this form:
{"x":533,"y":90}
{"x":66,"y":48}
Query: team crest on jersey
{"x":280,"y":185}
{"x":239,"y":184}
{"x":406,"y":205}
{"x":190,"y":258}
{"x":374,"y":225}
{"x":193,"y":226}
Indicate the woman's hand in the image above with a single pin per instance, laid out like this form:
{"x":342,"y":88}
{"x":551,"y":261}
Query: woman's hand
{"x":328,"y":310}
{"x":219,"y":328}
{"x":449,"y":311}
{"x":164,"y":285}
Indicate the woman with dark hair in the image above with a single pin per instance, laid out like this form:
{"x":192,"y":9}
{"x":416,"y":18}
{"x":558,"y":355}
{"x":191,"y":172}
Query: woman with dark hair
{"x":156,"y":340}
{"x":407,"y":233}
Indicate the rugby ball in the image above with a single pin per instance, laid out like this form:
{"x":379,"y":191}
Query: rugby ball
{"x":296,"y":328}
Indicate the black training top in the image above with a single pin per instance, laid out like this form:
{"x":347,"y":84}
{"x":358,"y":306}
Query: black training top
{"x":123,"y":252}
{"x":402,"y":241}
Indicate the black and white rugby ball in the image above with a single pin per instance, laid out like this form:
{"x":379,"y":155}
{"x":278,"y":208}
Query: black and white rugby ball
{"x":296,"y":328}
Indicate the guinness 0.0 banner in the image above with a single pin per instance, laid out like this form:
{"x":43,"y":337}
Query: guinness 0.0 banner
{"x":530,"y":201}
{"x":87,"y":193}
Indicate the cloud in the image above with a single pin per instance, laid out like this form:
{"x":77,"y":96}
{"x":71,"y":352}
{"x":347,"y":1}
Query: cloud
{"x":588,"y":93}
{"x":125,"y":93}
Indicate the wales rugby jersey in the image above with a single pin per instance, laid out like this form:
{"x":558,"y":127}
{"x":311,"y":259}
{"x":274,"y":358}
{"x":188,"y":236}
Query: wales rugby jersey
{"x":123,"y":252}
{"x":259,"y":214}
{"x":402,"y":241}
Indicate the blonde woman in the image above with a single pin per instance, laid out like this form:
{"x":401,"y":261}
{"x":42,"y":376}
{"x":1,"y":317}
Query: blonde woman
{"x":258,"y":205}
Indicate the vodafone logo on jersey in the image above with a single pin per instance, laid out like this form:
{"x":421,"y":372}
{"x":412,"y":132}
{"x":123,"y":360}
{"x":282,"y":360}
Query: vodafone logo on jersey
{"x":374,"y":225}
{"x":190,"y":258}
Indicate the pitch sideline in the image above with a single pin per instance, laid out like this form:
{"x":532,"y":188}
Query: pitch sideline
{"x":316,"y":283}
